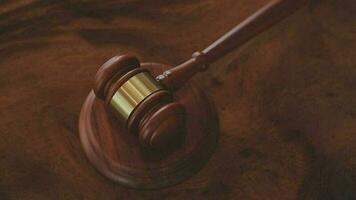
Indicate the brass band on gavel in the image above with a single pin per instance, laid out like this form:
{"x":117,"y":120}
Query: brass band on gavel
{"x":132,"y":92}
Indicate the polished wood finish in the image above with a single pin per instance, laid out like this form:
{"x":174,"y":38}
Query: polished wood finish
{"x":285,"y":100}
{"x":264,"y":18}
{"x":157,"y":120}
{"x":162,"y":125}
{"x":116,"y":153}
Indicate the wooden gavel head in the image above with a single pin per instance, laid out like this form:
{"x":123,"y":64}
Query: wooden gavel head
{"x":145,"y":106}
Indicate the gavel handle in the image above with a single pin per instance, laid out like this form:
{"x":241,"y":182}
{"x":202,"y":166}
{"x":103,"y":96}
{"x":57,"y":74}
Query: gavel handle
{"x":261,"y":20}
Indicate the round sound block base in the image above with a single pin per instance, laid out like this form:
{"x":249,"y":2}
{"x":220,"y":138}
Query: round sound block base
{"x":117,"y":155}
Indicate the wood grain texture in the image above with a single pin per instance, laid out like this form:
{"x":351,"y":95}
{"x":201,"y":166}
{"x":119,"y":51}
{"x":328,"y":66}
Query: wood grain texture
{"x":286,"y":100}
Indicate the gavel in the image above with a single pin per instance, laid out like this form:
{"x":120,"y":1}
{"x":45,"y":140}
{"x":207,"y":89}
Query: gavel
{"x":146,"y":104}
{"x":131,"y":122}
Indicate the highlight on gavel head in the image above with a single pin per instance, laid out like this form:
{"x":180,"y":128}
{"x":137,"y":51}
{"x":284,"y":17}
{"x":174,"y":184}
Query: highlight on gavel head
{"x":139,"y":101}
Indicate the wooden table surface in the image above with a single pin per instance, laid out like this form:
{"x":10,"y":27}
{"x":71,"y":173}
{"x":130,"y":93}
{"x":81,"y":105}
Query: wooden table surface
{"x":286,"y":100}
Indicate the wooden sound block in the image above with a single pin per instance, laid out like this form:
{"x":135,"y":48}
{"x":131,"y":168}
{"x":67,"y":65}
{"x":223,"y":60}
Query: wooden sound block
{"x":117,"y":154}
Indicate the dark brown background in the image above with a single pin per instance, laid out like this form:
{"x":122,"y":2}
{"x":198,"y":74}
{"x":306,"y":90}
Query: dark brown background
{"x":286,"y":100}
